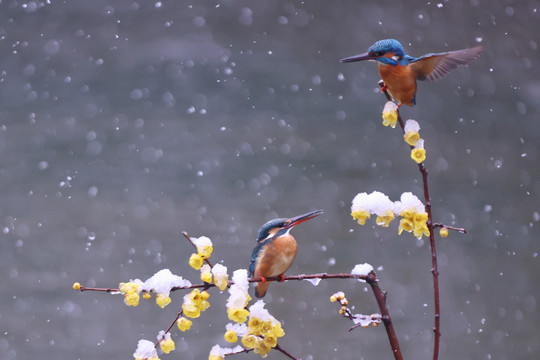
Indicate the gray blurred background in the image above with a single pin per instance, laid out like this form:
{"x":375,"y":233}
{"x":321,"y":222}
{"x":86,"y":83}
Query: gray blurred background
{"x":123,"y":123}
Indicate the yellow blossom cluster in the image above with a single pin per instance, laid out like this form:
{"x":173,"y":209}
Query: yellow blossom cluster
{"x":204,"y":251}
{"x":263,"y":330}
{"x":195,"y":302}
{"x":163,"y":300}
{"x":166,"y":343}
{"x":390,"y":114}
{"x":410,"y":208}
{"x":130,"y":292}
{"x":414,"y":221}
{"x":183,"y":324}
{"x":239,"y":297}
{"x":362,"y":320}
{"x":412,"y":137}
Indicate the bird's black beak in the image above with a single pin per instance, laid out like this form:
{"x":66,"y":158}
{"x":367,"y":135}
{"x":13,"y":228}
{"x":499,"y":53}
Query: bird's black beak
{"x":301,"y":218}
{"x":359,"y":57}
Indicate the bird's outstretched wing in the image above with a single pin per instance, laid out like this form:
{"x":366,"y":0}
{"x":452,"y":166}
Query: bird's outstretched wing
{"x":437,"y":66}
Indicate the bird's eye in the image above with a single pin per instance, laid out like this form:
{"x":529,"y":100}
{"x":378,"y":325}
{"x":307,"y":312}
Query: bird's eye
{"x":287,"y":222}
{"x":376,"y":54}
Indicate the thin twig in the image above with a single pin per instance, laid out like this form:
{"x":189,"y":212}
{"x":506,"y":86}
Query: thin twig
{"x":280,"y":349}
{"x":439,"y":225}
{"x":170,"y":327}
{"x":434,"y":267}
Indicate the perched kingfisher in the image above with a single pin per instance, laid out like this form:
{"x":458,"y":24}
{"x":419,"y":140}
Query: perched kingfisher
{"x":275,"y":250}
{"x":400,"y":71}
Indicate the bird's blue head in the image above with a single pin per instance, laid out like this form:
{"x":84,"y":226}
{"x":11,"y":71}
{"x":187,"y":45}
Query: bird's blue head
{"x":272,"y":227}
{"x":387,"y":51}
{"x":383,"y":47}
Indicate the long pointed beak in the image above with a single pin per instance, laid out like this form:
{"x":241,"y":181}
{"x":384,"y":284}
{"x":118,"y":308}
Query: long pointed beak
{"x":301,"y":218}
{"x":359,"y":57}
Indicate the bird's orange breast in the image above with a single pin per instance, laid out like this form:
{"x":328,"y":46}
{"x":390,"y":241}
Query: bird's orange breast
{"x":400,"y":82}
{"x":277,"y":257}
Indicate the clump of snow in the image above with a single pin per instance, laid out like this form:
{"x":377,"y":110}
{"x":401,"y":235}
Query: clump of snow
{"x":411,"y":125}
{"x":163,"y":281}
{"x":375,"y":203}
{"x":362,"y":269}
{"x":222,"y":351}
{"x":145,"y":350}
{"x":409,"y":201}
{"x":239,"y":290}
{"x":257,"y":310}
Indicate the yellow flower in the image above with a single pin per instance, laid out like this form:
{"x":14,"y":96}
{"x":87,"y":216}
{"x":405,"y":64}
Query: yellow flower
{"x":162,"y":300}
{"x":270,"y":340}
{"x":423,"y":230}
{"x":215,"y":357}
{"x":131,"y":299}
{"x":190,"y":310}
{"x":196,"y":261}
{"x":202,"y":305}
{"x":333,"y":298}
{"x":361,"y":216}
{"x":195,"y":295}
{"x":206,"y":276}
{"x":184,"y":324}
{"x":230,"y":336}
{"x":262,"y":348}
{"x":128,"y":288}
{"x":147,"y":295}
{"x":167,"y":345}
{"x":411,"y":137}
{"x":205,"y":251}
{"x":205,"y":295}
{"x":265,"y":327}
{"x":249,"y":341}
{"x":277,"y":330}
{"x":405,"y":224}
{"x":221,"y":282}
{"x":238,"y":315}
{"x":386,"y":219}
{"x":443,"y":232}
{"x":390,"y":114}
{"x":254,"y":326}
{"x":420,"y":219}
{"x":418,"y":155}
{"x":76,"y":286}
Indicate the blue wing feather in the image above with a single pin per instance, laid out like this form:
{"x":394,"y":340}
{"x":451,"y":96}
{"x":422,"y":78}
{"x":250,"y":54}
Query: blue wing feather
{"x":437,"y":66}
{"x":255,"y":255}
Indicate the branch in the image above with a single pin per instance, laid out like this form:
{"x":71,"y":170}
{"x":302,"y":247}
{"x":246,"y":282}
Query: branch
{"x":371,"y":279}
{"x":285,"y":352}
{"x":460,"y":230}
{"x":434,"y":267}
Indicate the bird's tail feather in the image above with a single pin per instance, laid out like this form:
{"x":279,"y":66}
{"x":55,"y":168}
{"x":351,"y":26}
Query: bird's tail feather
{"x":261,"y":288}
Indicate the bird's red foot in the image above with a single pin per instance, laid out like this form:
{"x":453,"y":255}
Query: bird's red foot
{"x":281,"y":278}
{"x":383,"y":88}
{"x":263,"y":279}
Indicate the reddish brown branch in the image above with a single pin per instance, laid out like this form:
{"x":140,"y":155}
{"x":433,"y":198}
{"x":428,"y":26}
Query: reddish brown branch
{"x":109,"y":290}
{"x":434,"y":267}
{"x":380,"y":296}
{"x":286,"y":353}
{"x":371,"y":279}
{"x":439,"y":225}
{"x":170,"y":327}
